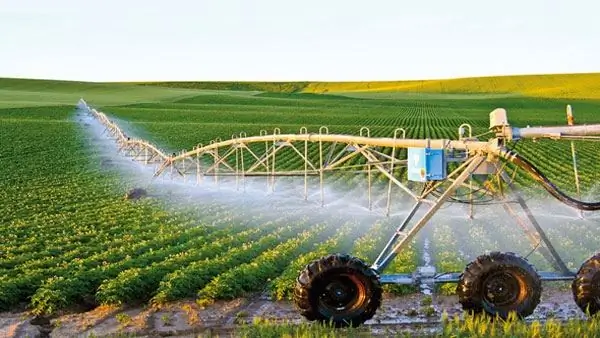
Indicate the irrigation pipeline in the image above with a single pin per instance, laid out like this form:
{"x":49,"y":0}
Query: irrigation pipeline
{"x":508,"y":155}
{"x":121,"y":138}
{"x":524,"y":164}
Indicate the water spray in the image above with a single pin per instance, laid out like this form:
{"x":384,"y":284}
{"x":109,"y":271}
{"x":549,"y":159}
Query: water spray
{"x":347,"y":291}
{"x":571,"y":122}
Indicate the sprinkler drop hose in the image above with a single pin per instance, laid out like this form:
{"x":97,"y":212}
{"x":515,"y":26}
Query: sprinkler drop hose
{"x":546,"y":183}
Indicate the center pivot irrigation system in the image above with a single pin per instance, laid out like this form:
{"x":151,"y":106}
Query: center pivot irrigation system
{"x":344,"y":289}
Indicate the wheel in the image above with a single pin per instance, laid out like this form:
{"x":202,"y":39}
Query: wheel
{"x":500,"y":283}
{"x":340,"y":289}
{"x":586,"y":285}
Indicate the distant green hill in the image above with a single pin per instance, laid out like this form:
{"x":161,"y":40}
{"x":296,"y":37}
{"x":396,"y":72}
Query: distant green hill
{"x":26,"y":92}
{"x":280,"y":87}
{"x":29,"y":92}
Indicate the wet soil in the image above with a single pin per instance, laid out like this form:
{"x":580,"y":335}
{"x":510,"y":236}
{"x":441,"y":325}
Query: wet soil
{"x":187,"y":319}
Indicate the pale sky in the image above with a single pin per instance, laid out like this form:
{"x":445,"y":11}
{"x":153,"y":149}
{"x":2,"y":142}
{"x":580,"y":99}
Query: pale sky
{"x":279,"y":40}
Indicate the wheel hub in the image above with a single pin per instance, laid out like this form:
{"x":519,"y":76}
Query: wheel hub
{"x":501,"y":288}
{"x":339,"y":293}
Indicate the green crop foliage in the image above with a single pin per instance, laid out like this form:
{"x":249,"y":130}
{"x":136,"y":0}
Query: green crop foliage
{"x":470,"y":326}
{"x":69,"y":238}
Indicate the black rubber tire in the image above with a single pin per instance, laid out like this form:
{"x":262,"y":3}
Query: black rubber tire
{"x":511,"y":276}
{"x":586,"y":286}
{"x":341,"y":279}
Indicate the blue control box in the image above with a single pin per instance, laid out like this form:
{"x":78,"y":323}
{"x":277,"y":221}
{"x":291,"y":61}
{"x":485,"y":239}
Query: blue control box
{"x":425,"y":164}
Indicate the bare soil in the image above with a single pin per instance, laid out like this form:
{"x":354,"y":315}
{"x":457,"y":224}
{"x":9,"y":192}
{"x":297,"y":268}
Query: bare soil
{"x":187,"y":319}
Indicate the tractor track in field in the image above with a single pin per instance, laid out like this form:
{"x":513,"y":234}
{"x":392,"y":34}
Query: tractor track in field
{"x":397,"y":315}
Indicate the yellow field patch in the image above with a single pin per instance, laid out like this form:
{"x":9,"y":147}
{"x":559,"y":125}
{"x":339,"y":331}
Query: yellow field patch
{"x":576,"y":86}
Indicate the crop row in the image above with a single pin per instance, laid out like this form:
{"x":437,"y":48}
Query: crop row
{"x":282,"y":287}
{"x":70,"y":238}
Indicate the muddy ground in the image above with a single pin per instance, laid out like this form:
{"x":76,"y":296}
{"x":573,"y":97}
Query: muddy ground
{"x":187,"y":319}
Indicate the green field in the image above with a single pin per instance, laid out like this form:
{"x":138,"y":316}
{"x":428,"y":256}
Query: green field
{"x":71,"y":242}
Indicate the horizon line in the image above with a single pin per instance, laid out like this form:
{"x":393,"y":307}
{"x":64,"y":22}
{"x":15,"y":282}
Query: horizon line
{"x":302,"y":81}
